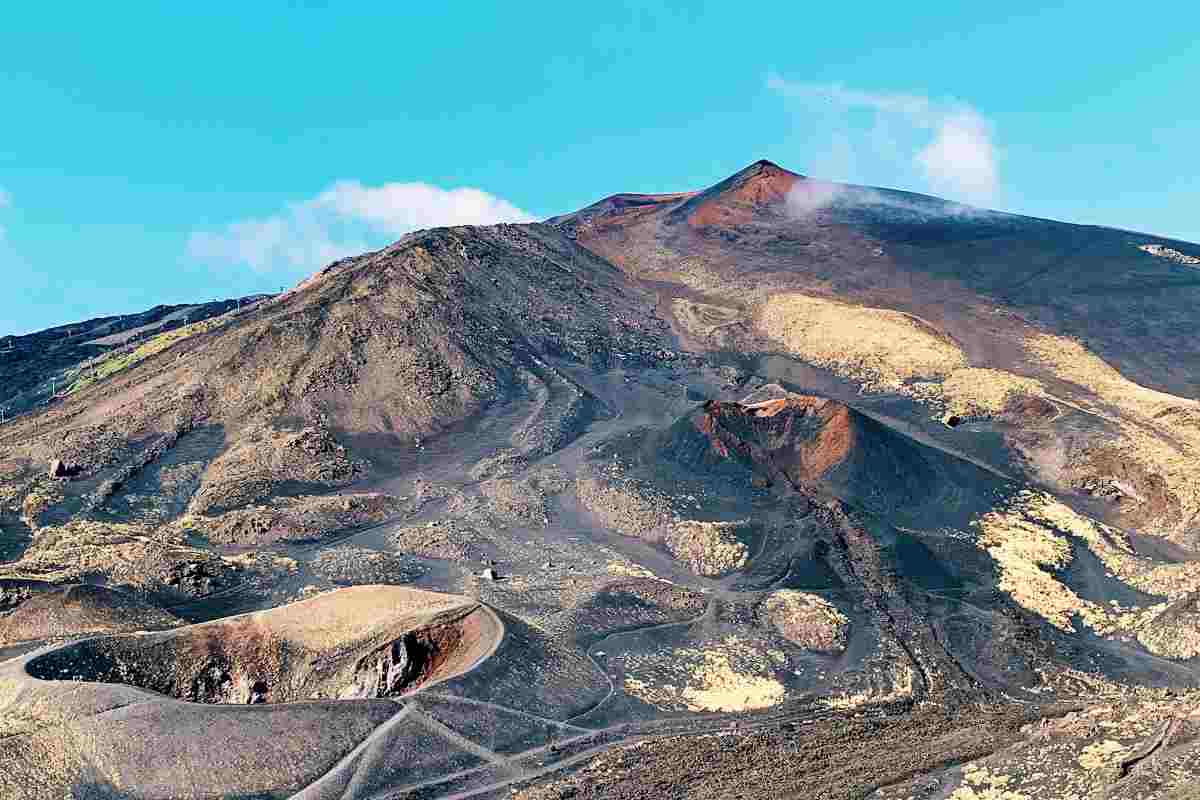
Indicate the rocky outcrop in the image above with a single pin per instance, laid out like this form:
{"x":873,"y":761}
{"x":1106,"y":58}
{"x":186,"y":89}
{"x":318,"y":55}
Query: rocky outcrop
{"x":388,"y":671}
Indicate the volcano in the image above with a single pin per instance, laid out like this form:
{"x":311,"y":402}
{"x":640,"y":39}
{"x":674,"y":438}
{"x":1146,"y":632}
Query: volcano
{"x":818,"y":488}
{"x":818,"y":444}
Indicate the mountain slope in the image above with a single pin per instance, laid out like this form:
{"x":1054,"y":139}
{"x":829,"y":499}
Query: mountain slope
{"x":773,"y":457}
{"x":314,"y":389}
{"x":55,"y":361}
{"x":939,"y":260}
{"x":1005,"y":321}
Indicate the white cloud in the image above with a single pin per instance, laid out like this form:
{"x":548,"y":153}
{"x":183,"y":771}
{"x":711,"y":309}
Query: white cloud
{"x":402,"y":207}
{"x":961,"y":156}
{"x":346,"y":219}
{"x":948,"y":145}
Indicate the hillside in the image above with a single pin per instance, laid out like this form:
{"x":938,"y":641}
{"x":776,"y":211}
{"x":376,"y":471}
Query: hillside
{"x":1008,"y":322}
{"x":40,"y":366}
{"x":718,"y":487}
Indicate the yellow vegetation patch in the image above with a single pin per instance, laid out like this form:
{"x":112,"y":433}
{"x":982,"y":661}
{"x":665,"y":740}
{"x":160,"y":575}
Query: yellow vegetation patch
{"x":903,"y":681}
{"x":890,"y":351}
{"x":1024,"y":551}
{"x":1029,"y":538}
{"x":253,"y":467}
{"x":1072,"y":361}
{"x":263,"y":559}
{"x":879,"y":348}
{"x":732,"y":674}
{"x":302,"y":517}
{"x":708,"y":548}
{"x":980,"y":783}
{"x":807,"y":620}
{"x":693,"y":271}
{"x":123,"y":359}
{"x":1171,"y":254}
{"x":628,"y":569}
{"x":127,"y":555}
{"x":978,"y":392}
{"x":722,"y":688}
{"x":40,"y":497}
{"x":623,"y":506}
{"x":1078,"y":755}
{"x":1101,"y":754}
{"x":1159,"y":431}
{"x":1113,"y":548}
{"x":1173,"y":637}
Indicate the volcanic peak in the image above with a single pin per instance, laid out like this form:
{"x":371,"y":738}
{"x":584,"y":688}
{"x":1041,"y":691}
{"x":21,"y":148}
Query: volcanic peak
{"x":815,"y":444}
{"x":761,"y":186}
{"x":800,"y":436}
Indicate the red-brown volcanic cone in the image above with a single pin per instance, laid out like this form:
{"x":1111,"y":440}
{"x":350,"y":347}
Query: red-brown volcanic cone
{"x":760,"y":187}
{"x":814,"y":443}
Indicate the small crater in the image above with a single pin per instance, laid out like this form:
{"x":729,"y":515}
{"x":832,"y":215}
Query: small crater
{"x":361,"y":647}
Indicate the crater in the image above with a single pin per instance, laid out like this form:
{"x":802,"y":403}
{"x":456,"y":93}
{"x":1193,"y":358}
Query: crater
{"x":359,"y":642}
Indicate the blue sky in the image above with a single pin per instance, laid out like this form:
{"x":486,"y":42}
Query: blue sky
{"x":168,"y":153}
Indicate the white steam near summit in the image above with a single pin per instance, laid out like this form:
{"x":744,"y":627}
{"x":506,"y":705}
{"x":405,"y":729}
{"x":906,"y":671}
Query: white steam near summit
{"x":947,"y":146}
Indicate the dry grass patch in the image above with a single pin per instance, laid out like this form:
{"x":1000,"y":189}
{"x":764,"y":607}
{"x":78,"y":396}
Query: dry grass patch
{"x":1071,"y":361}
{"x":627,"y":569}
{"x":692,"y":271}
{"x":264,"y":459}
{"x":1084,"y":754}
{"x":1159,"y":431}
{"x":132,"y":556}
{"x":623,"y":505}
{"x":732,"y":674}
{"x":807,"y":620}
{"x":981,"y":784}
{"x":526,"y":499}
{"x":1173,"y":631}
{"x":347,"y":565}
{"x":1113,"y":548}
{"x":40,"y":496}
{"x":980,"y":392}
{"x":881,"y":349}
{"x":903,"y":681}
{"x":292,"y":518}
{"x":1028,"y":539}
{"x":1025,"y":552}
{"x":125,"y":358}
{"x":723,"y":688}
{"x":708,"y":548}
